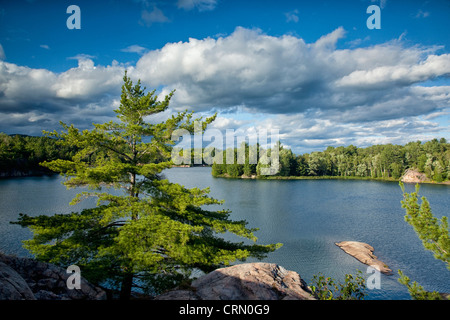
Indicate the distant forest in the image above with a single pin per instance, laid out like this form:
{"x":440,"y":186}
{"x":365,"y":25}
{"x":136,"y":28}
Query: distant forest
{"x":20,"y":155}
{"x":379,"y":161}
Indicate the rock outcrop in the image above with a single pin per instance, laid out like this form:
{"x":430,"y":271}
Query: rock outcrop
{"x":249,"y":281}
{"x":28,"y":279}
{"x":364,"y":253}
{"x":414,"y":176}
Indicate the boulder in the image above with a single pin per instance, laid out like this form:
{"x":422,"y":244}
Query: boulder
{"x":249,"y":281}
{"x":13,"y":286}
{"x":364,"y":253}
{"x":414,"y":176}
{"x":28,"y":279}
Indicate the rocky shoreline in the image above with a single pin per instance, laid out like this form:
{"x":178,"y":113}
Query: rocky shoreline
{"x":28,"y":279}
{"x":413,"y":175}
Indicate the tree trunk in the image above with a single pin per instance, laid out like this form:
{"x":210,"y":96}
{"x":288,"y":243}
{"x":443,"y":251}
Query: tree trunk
{"x":127,"y":284}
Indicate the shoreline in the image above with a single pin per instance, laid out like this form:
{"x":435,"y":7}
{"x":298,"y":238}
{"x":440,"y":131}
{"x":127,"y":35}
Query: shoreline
{"x":24,"y":174}
{"x":39,"y":173}
{"x":226,"y":176}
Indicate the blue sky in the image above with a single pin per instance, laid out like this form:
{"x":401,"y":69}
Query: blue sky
{"x":311,"y":69}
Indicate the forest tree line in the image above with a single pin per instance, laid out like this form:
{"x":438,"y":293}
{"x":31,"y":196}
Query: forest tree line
{"x":21,"y":154}
{"x":378,"y":161}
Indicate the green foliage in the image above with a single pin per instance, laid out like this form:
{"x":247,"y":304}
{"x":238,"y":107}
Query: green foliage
{"x":378,"y":161}
{"x":154,"y":233}
{"x":234,"y":170}
{"x":287,"y":162}
{"x":218,"y":169}
{"x":353,"y":287}
{"x":416,"y":291}
{"x":23,"y":154}
{"x":434,"y":234}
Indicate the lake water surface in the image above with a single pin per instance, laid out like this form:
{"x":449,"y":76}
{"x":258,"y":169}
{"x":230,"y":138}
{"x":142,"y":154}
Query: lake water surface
{"x":306,"y":216}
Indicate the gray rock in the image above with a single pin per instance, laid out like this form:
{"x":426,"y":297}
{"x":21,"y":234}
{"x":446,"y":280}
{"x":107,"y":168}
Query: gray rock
{"x":12,"y":285}
{"x":249,"y":281}
{"x":47,"y":295}
{"x":23,"y":278}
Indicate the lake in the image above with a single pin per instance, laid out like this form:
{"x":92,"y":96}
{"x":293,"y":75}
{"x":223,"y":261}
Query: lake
{"x":307,"y":216}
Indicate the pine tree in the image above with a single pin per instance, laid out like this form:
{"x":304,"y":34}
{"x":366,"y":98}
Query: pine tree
{"x":155,"y":232}
{"x":434,"y":234}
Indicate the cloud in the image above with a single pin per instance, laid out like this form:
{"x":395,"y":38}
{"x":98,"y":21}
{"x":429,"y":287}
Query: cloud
{"x":200,"y":5}
{"x":2,"y":53}
{"x":314,"y":93}
{"x":292,"y":16}
{"x":135,"y":49}
{"x":154,"y":16}
{"x":247,"y":67}
{"x":286,"y":75}
{"x":388,"y":75}
{"x":357,"y":42}
{"x":35,"y":99}
{"x":422,"y":14}
{"x":82,"y":56}
{"x":382,"y":3}
{"x":435,"y":93}
{"x":345,"y":91}
{"x":45,"y":46}
{"x":87,"y":81}
{"x":305,"y":133}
